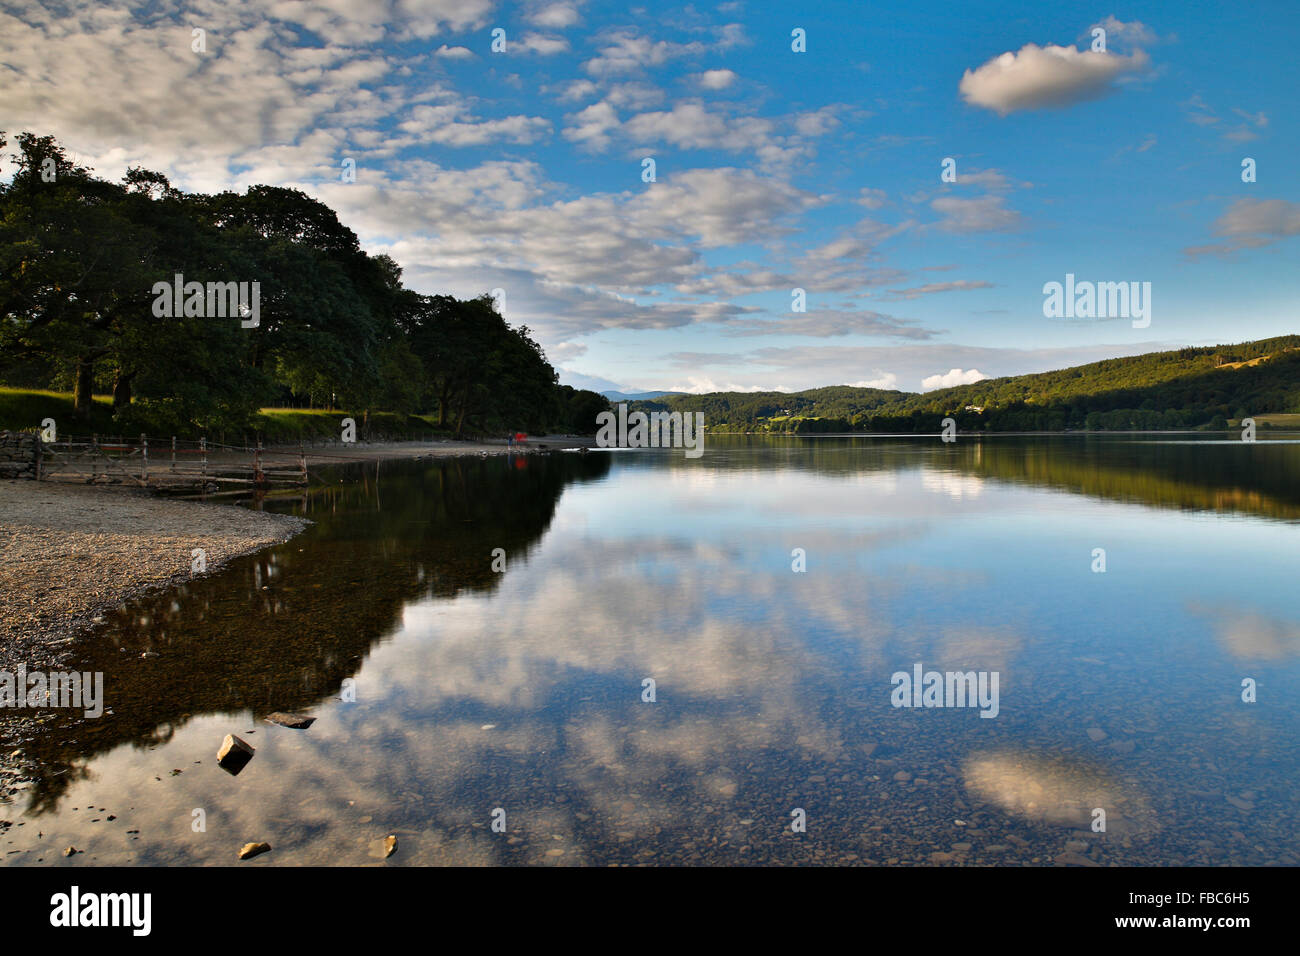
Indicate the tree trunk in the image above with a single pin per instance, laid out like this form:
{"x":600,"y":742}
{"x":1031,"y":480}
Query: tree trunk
{"x":81,"y":394}
{"x":122,"y":389}
{"x":460,"y":419}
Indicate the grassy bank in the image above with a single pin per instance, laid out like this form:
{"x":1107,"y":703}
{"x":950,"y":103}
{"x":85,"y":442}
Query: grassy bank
{"x":26,"y":409}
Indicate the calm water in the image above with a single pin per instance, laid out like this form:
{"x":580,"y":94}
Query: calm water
{"x":522,"y":690}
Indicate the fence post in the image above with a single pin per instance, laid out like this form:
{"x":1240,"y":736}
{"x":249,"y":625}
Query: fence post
{"x":258,"y":478}
{"x":94,"y":456}
{"x":40,"y":455}
{"x":144,"y":458}
{"x":302,"y":462}
{"x":203,"y":449}
{"x":173,"y":454}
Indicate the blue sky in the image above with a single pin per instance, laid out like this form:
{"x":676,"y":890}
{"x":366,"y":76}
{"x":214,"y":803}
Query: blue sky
{"x":522,"y":170}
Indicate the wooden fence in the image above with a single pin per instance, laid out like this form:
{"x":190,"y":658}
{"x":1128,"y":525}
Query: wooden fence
{"x":180,"y":464}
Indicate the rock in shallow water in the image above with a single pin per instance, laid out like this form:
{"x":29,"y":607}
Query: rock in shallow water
{"x":293,"y":721}
{"x":234,"y":755}
{"x":250,"y":850}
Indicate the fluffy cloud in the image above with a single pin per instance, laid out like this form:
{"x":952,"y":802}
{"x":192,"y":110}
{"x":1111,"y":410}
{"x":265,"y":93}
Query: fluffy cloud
{"x":953,"y":377}
{"x":690,"y":124}
{"x":716,"y":79}
{"x":452,"y":125}
{"x":627,"y":51}
{"x":886,"y":380}
{"x":539,"y":43}
{"x":555,"y":16}
{"x":566,"y":351}
{"x":721,"y":206}
{"x":1040,"y":77}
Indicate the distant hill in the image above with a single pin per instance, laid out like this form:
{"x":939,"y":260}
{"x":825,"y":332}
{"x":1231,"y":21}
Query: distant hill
{"x":636,"y":396}
{"x":1183,"y":388}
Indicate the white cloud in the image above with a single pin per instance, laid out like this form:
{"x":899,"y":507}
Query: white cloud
{"x":886,"y":380}
{"x":960,"y":284}
{"x":697,"y":385}
{"x":633,"y":95}
{"x":369,"y":21}
{"x":689,"y":124}
{"x":871,"y":198}
{"x":722,"y":206}
{"x":566,"y":351}
{"x":591,"y":127}
{"x":827,"y":323}
{"x":452,"y":125}
{"x":716,"y":79}
{"x":555,"y":16}
{"x":818,"y":122}
{"x":578,"y":90}
{"x":1041,"y":77}
{"x":993,"y":179}
{"x":539,"y":43}
{"x":985,"y":214}
{"x":1134,"y":33}
{"x":954,"y":377}
{"x":1251,"y":223}
{"x":1202,"y":114}
{"x":627,"y":51}
{"x":454,"y":52}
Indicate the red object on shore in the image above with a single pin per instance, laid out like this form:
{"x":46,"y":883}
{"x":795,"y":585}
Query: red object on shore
{"x":520,"y":438}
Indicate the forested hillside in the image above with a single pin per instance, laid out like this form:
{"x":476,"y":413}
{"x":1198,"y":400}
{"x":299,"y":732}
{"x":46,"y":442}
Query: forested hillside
{"x":1185,"y":388}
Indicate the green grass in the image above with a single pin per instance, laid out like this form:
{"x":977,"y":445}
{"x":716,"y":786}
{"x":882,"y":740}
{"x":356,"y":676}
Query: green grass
{"x":300,"y":424}
{"x":1279,"y":419}
{"x":25,"y":409}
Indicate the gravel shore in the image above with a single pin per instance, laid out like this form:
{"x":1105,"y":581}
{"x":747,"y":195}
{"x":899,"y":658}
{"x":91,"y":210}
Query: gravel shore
{"x":69,"y":552}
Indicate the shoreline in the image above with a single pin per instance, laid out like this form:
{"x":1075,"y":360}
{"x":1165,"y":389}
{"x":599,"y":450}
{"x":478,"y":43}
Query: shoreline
{"x":71,"y":551}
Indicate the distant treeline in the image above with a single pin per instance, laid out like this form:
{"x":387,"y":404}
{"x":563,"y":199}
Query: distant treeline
{"x":335,"y":328}
{"x":1185,"y":388}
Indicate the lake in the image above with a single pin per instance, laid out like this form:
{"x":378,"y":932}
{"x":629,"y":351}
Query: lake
{"x":710,"y":661}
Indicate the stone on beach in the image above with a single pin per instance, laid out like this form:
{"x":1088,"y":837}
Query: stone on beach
{"x":250,"y":850}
